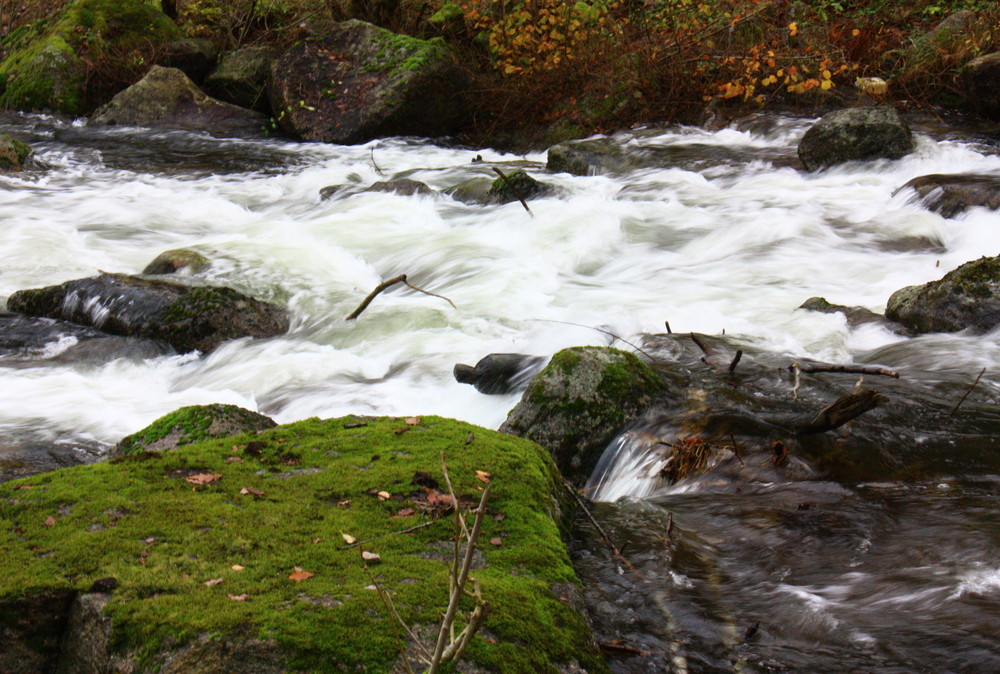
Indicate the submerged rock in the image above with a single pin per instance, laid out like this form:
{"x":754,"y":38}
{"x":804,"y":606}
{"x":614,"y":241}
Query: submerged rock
{"x":855,"y":134}
{"x":499,"y":372}
{"x":13,"y":153}
{"x":516,"y":186}
{"x":967,"y":297}
{"x":358,"y":81}
{"x":193,"y":424}
{"x":241,"y":78}
{"x":402,"y":186}
{"x":167,"y":98}
{"x":178,"y":260}
{"x":587,"y":157}
{"x":25,"y":340}
{"x":187,"y":316}
{"x":855,"y":315}
{"x":953,"y":194}
{"x":981,"y":81}
{"x":218,"y":532}
{"x":579,"y":402}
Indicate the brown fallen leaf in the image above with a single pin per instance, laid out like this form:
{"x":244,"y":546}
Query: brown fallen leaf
{"x":25,"y":486}
{"x":300,"y":575}
{"x":50,"y":521}
{"x":234,"y":459}
{"x":239,"y":597}
{"x":251,"y":490}
{"x":439,"y":500}
{"x":404,"y":512}
{"x":349,"y":539}
{"x":237,"y":567}
{"x":483,"y":476}
{"x":316,"y":540}
{"x":343,"y":503}
{"x":203,"y":478}
{"x":371,"y":557}
{"x":412,"y":421}
{"x":496,"y":541}
{"x":214,"y":581}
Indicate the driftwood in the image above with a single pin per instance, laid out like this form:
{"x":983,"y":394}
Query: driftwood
{"x":387,"y":284}
{"x":848,"y":369}
{"x":959,"y":403}
{"x":513,"y":188}
{"x":846,"y":408}
{"x":736,"y":361}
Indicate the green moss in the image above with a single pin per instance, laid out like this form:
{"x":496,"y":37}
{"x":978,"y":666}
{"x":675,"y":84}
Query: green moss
{"x":13,"y":153}
{"x":162,"y":538}
{"x":398,"y":53}
{"x":193,"y":424}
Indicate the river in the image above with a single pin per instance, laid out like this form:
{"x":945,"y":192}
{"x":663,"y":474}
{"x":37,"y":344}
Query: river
{"x":816,"y":571}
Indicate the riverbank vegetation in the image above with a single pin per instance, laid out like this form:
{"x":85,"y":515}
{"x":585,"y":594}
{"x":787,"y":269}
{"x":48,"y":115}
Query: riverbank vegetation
{"x":574,"y":68}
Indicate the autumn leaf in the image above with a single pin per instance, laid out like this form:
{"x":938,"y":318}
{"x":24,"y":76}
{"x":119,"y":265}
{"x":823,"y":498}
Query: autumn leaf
{"x":349,"y":539}
{"x":483,"y":476}
{"x":25,"y":486}
{"x":404,"y":512}
{"x":412,"y":421}
{"x":371,"y":557}
{"x":237,"y":567}
{"x":50,"y":521}
{"x":300,"y":575}
{"x":346,"y":502}
{"x":233,"y":459}
{"x":496,"y":541}
{"x":214,"y":581}
{"x":239,"y":597}
{"x":203,"y":478}
{"x":251,"y":490}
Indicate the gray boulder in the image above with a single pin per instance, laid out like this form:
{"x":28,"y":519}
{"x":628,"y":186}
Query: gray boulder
{"x":402,"y":186}
{"x":516,"y":186}
{"x":499,"y":372}
{"x":953,"y":194}
{"x":968,"y":297}
{"x":193,"y":424}
{"x":358,"y":82}
{"x":579,"y":402}
{"x":13,"y":153}
{"x":187,"y":316}
{"x":981,"y":82}
{"x":241,"y":78}
{"x":855,"y":316}
{"x":587,"y":157}
{"x":855,"y":134}
{"x":167,"y":98}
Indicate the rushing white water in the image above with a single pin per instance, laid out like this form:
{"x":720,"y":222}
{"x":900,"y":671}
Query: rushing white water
{"x":736,"y":245}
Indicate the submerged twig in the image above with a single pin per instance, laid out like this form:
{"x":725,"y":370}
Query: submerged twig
{"x":604,"y":534}
{"x":513,"y":188}
{"x":736,"y":361}
{"x":848,"y":369}
{"x":701,"y":344}
{"x":959,"y":403}
{"x":377,"y":169}
{"x":846,"y":407}
{"x":388,"y":284}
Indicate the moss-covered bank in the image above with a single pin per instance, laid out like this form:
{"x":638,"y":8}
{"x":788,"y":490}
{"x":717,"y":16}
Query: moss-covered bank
{"x":282,"y":500}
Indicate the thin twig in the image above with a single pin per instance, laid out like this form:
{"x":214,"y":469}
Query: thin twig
{"x":607,"y":539}
{"x":736,"y":360}
{"x":701,"y":344}
{"x":388,"y":284}
{"x":428,"y":292}
{"x":391,"y":533}
{"x":959,"y":404}
{"x":391,"y":607}
{"x":513,"y":188}
{"x":849,"y":369}
{"x":377,"y":169}
{"x":736,"y":449}
{"x":602,"y":330}
{"x":666,"y":324}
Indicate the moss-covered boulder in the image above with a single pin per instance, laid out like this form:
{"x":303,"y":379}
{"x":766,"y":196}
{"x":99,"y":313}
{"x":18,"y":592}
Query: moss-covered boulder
{"x":358,"y":81}
{"x":183,"y":260}
{"x":952,"y":194}
{"x":239,"y":554}
{"x":968,"y":297}
{"x":981,"y":82}
{"x":55,"y":64}
{"x":188,"y":316}
{"x":855,"y":134}
{"x":13,"y":153}
{"x":193,"y":424}
{"x":167,"y":98}
{"x":516,"y":186}
{"x":579,"y":402}
{"x":241,"y":78}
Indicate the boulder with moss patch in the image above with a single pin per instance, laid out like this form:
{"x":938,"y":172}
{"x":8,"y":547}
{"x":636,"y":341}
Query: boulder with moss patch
{"x":189,"y":316}
{"x":515,"y":186}
{"x":981,"y":82}
{"x":13,"y":153}
{"x":855,"y":134}
{"x":358,"y":81}
{"x":241,"y":78}
{"x":967,"y":297}
{"x":185,"y":561}
{"x":53,"y":64}
{"x":580,"y":401}
{"x":587,"y":157}
{"x":178,"y":260}
{"x":167,"y":98}
{"x":193,"y":424}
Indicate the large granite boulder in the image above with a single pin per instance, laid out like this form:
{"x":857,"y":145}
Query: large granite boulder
{"x":579,"y":402}
{"x":241,"y":78}
{"x":968,"y":297}
{"x":187,"y":316}
{"x":50,"y":65}
{"x":587,"y":157}
{"x":981,"y":81}
{"x":358,"y":82}
{"x":953,"y":194}
{"x":13,"y":153}
{"x":193,"y":424}
{"x":167,"y":98}
{"x":855,"y":134}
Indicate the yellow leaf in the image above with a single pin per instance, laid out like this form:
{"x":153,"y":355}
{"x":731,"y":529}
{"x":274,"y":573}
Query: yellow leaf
{"x":793,"y":29}
{"x":855,"y":32}
{"x":384,"y":496}
{"x":349,"y":539}
{"x":826,"y":84}
{"x":827,"y":74}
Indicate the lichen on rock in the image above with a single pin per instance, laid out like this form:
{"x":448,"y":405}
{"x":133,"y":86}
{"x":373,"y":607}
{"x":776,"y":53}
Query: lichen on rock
{"x":967,"y":297}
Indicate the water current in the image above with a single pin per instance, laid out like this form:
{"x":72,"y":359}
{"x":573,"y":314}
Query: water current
{"x":818,"y":566}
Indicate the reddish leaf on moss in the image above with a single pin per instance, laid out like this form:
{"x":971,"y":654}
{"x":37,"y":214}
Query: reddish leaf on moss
{"x":496,"y":541}
{"x":50,"y":521}
{"x":203,"y":478}
{"x":239,"y":597}
{"x":300,"y":575}
{"x":483,"y":476}
{"x":412,"y":421}
{"x":405,"y":512}
{"x":252,"y":491}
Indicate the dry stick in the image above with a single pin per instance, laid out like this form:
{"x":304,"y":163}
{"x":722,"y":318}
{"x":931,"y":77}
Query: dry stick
{"x":955,"y":409}
{"x":391,"y":533}
{"x":606,"y":332}
{"x":701,"y":344}
{"x":667,"y":326}
{"x":736,"y":360}
{"x":517,"y":192}
{"x":736,"y":449}
{"x":849,"y":369}
{"x":607,"y":539}
{"x":388,"y":284}
{"x":377,"y":169}
{"x":391,"y":607}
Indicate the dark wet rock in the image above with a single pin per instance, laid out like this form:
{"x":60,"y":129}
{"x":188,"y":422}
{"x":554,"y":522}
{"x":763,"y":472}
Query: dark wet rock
{"x":241,"y":78}
{"x":499,"y":372}
{"x":32,"y":628}
{"x":85,"y":644}
{"x":331,"y":191}
{"x":855,"y":134}
{"x":587,"y":157}
{"x":968,"y":297}
{"x":401,"y":186}
{"x":472,"y":191}
{"x":50,"y":71}
{"x":357,"y":82}
{"x":167,"y":98}
{"x":193,"y":424}
{"x":579,"y":402}
{"x":178,"y":260}
{"x":855,"y":315}
{"x":515,"y":186}
{"x":13,"y":153}
{"x":952,"y":195}
{"x":981,"y":82}
{"x":27,"y":340}
{"x":193,"y":56}
{"x":187,"y":316}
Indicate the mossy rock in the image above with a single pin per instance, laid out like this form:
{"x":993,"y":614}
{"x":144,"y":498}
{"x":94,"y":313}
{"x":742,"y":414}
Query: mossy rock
{"x":241,"y":78}
{"x":965,"y":298}
{"x":193,"y":424}
{"x":855,"y":134}
{"x":515,"y":186}
{"x":51,"y":71}
{"x":580,"y":401}
{"x":13,"y":153}
{"x":175,"y":576}
{"x":587,"y":157}
{"x":179,"y":259}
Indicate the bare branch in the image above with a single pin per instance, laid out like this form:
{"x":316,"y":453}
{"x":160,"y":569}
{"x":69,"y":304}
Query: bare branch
{"x":959,"y":404}
{"x":388,"y":284}
{"x":513,"y":188}
{"x":848,"y":369}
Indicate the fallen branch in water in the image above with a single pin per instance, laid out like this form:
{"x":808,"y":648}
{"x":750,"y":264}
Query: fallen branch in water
{"x":513,"y":188}
{"x":959,"y":403}
{"x":701,"y":344}
{"x":736,"y":361}
{"x":607,"y":539}
{"x":848,"y":369}
{"x":846,"y":408}
{"x":388,"y":284}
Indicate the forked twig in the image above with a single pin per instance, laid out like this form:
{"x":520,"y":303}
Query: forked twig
{"x":388,"y":284}
{"x":959,"y":403}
